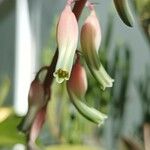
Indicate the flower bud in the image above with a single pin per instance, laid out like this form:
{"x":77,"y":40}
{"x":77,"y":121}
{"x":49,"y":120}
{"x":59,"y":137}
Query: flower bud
{"x":77,"y":86}
{"x":91,"y":39}
{"x":67,"y":38}
{"x":78,"y":80}
{"x":36,"y":100}
{"x":90,"y":42}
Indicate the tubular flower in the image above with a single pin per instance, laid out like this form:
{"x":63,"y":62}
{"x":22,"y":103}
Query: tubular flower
{"x":36,"y":100}
{"x":90,"y":42}
{"x":77,"y":86}
{"x":67,"y":38}
{"x":91,"y":39}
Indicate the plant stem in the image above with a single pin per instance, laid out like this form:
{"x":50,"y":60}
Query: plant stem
{"x":78,"y":7}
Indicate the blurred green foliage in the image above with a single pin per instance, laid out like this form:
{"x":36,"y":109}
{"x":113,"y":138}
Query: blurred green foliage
{"x":8,"y":131}
{"x":8,"y":120}
{"x":4,"y":89}
{"x":142,"y":8}
{"x":143,"y":87}
{"x":68,"y":147}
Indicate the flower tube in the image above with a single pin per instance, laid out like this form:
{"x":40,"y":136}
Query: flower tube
{"x":67,"y":38}
{"x":36,"y":100}
{"x":77,"y":86}
{"x":90,"y":41}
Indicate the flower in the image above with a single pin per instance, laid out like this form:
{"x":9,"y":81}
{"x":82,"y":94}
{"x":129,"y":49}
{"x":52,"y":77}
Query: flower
{"x":77,"y":86}
{"x":90,"y":42}
{"x":67,"y":38}
{"x":36,"y":100}
{"x":91,"y":39}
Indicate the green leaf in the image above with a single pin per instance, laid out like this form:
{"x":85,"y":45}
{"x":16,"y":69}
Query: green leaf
{"x":9,"y":134}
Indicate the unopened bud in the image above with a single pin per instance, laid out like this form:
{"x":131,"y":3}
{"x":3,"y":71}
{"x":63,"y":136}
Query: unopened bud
{"x":36,"y":100}
{"x":77,"y":86}
{"x":90,"y":42}
{"x":78,"y":80}
{"x":91,"y":39}
{"x":67,"y":38}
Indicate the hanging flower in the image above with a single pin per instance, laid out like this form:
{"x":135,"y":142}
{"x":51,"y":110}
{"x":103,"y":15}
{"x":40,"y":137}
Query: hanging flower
{"x":67,"y":38}
{"x":36,"y":100}
{"x":77,"y":86}
{"x":90,"y":43}
{"x":91,"y":39}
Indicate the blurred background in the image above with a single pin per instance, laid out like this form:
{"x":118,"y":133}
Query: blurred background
{"x":27,"y":42}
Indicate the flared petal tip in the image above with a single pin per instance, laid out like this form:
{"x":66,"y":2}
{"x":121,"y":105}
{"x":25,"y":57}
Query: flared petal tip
{"x":61,"y":75}
{"x":102,"y":120}
{"x":109,"y":84}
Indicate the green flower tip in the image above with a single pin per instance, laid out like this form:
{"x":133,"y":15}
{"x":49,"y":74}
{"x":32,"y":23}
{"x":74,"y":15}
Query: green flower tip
{"x":89,"y":113}
{"x":102,"y":77}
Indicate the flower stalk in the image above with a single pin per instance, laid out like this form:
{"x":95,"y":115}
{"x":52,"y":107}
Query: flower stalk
{"x":91,"y":39}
